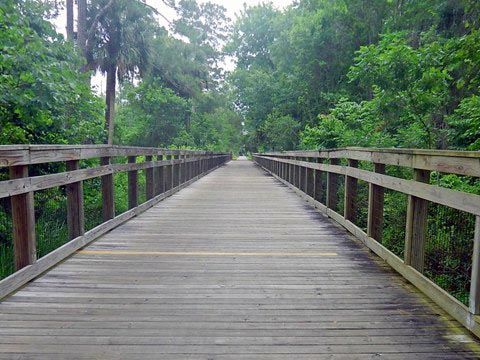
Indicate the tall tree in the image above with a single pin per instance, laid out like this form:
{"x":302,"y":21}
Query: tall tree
{"x":118,"y":44}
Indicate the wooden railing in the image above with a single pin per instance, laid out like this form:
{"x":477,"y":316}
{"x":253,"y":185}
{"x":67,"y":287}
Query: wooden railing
{"x":165,"y":172}
{"x":319,"y":176}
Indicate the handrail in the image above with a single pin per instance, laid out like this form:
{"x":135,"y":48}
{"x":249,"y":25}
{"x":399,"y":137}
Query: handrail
{"x":447,"y":161}
{"x":167,"y":173}
{"x":315,"y":174}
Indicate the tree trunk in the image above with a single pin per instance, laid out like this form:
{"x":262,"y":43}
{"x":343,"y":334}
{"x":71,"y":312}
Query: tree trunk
{"x":70,"y":32}
{"x":110,"y":101}
{"x":82,"y":26}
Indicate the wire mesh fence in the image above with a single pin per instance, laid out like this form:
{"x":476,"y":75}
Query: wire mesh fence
{"x":142,"y":187}
{"x":120,"y":182}
{"x":7,"y":260}
{"x":50,"y":219}
{"x":394,"y":221}
{"x":361,"y":205}
{"x":449,"y":249}
{"x":338,"y":204}
{"x":321,"y":186}
{"x":92,"y":195}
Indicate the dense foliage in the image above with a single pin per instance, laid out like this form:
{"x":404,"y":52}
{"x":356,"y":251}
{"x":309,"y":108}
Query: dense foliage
{"x":43,"y":99}
{"x":359,"y":73}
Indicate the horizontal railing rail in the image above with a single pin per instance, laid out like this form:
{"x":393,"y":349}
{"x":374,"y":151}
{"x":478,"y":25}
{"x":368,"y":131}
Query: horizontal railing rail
{"x":411,"y":207}
{"x":30,"y":170}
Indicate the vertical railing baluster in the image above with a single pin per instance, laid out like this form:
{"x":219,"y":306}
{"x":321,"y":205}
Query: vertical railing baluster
{"x":132,"y":185}
{"x":416,"y":228}
{"x":23,"y":218}
{"x":350,"y":200}
{"x":375,"y":207}
{"x":75,"y":207}
{"x":108,"y":194}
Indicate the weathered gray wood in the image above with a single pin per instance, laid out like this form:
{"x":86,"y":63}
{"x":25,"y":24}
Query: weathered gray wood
{"x":310,"y":188}
{"x":132,"y":185}
{"x":332,"y":187}
{"x":149,"y":180}
{"x":75,"y":208}
{"x":23,"y":219}
{"x":474,"y":299}
{"x":159,"y":182}
{"x":375,"y":207}
{"x":108,"y":195}
{"x":319,"y":187}
{"x":102,"y":303}
{"x":455,"y":199}
{"x":30,"y":184}
{"x":350,"y":200}
{"x":21,"y":277}
{"x":168,"y":173}
{"x":446,"y":301}
{"x":176,"y":171}
{"x":416,"y":228}
{"x":446,"y":161}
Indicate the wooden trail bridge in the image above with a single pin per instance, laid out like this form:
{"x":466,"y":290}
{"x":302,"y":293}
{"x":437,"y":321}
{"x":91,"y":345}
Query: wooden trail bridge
{"x":235,"y":264}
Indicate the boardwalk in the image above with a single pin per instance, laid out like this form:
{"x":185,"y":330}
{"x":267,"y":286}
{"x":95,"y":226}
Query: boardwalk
{"x":235,"y":266}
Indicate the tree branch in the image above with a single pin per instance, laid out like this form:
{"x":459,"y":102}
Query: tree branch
{"x":91,"y":31}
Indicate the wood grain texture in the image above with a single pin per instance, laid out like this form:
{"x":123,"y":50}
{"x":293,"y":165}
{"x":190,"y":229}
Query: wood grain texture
{"x":145,"y":304}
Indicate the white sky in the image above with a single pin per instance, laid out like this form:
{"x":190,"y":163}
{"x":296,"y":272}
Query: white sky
{"x":233,"y":7}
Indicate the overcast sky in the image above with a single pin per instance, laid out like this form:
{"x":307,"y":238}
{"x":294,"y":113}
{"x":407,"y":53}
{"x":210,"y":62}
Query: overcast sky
{"x":233,"y":7}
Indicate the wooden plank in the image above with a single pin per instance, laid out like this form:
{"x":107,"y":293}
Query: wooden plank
{"x":332,"y":187}
{"x":108,"y":195}
{"x":446,"y":161}
{"x":459,"y":200}
{"x":30,"y":184}
{"x":159,"y":182}
{"x":23,"y":219}
{"x":416,"y":228}
{"x":75,"y":208}
{"x":474,"y":298}
{"x":376,"y":196}
{"x":149,"y":180}
{"x":26,"y":274}
{"x":350,"y":200}
{"x":175,"y":170}
{"x":132,"y":185}
{"x":446,"y":301}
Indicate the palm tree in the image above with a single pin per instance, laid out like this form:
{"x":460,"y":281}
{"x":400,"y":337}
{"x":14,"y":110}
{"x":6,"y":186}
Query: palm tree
{"x":118,"y":44}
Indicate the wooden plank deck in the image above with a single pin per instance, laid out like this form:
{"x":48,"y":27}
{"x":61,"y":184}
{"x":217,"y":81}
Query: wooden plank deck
{"x":234,"y":267}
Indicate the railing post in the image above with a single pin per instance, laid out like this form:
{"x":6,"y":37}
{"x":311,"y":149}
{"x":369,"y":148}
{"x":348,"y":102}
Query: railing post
{"x":168,"y":173}
{"x":298,"y":174}
{"x":291,"y":172}
{"x":350,"y":200}
{"x":181,"y":168}
{"x":108,"y":195}
{"x":310,"y":180}
{"x":75,"y":209}
{"x":305,"y":177}
{"x":189,"y":167}
{"x":474,"y":299}
{"x":149,"y":180}
{"x":175,"y":170}
{"x":332,"y":186}
{"x":318,"y":185}
{"x":376,"y":196}
{"x":132,"y":185}
{"x":416,"y":228}
{"x":159,"y":177}
{"x":23,"y":218}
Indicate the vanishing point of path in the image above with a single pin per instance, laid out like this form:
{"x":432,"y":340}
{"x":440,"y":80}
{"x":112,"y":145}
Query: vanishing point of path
{"x":235,"y":266}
